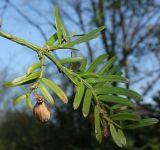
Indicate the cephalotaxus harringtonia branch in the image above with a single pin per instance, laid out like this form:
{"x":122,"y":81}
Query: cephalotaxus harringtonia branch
{"x":113,"y":111}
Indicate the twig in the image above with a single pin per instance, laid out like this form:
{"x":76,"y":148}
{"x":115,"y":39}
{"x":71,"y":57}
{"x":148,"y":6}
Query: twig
{"x":19,"y":40}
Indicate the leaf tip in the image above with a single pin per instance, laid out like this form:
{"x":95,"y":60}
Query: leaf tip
{"x":75,"y":107}
{"x":65,"y":99}
{"x":6,"y":85}
{"x":85,"y":115}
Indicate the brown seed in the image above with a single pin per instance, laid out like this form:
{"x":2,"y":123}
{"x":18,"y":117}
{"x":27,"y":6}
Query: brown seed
{"x":41,"y":112}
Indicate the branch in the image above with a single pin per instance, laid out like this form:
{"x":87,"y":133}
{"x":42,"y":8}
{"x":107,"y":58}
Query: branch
{"x":19,"y":40}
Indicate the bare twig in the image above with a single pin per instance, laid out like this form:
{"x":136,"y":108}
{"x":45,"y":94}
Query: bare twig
{"x":150,"y":86}
{"x":145,"y":76}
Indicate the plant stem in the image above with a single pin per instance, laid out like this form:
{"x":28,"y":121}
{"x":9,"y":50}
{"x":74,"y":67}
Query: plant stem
{"x":42,"y":61}
{"x":30,"y":45}
{"x":19,"y":40}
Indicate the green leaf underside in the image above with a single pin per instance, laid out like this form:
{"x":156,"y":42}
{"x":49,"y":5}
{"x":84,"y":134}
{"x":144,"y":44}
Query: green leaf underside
{"x":87,"y":102}
{"x":125,"y":116}
{"x":108,"y":78}
{"x":71,"y":60}
{"x":19,"y":99}
{"x":115,"y":135}
{"x":142,"y":123}
{"x":52,"y":40}
{"x":116,"y":100}
{"x":89,"y":36}
{"x":46,"y":94}
{"x":96,"y":62}
{"x":28,"y":101}
{"x":79,"y":95}
{"x":107,"y":66}
{"x":33,"y":67}
{"x":23,"y":80}
{"x":119,"y":91}
{"x":98,"y":131}
{"x":56,"y":89}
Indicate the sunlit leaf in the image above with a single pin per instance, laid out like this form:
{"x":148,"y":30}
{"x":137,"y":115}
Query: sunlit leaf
{"x":72,"y":78}
{"x":71,"y":60}
{"x":46,"y":94}
{"x":107,"y":66}
{"x":96,"y":62}
{"x":87,"y":102}
{"x":33,"y":67}
{"x":119,"y":91}
{"x":19,"y":99}
{"x":108,"y":78}
{"x":58,"y":24}
{"x":83,"y":65}
{"x":26,"y":79}
{"x":113,"y":70}
{"x":64,"y":31}
{"x":28,"y":101}
{"x":116,"y":100}
{"x":52,"y":40}
{"x":73,"y":34}
{"x":56,"y":89}
{"x":61,"y":30}
{"x":79,"y":95}
{"x":89,"y":36}
{"x":88,"y":75}
{"x":98,"y":131}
